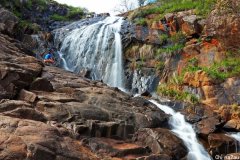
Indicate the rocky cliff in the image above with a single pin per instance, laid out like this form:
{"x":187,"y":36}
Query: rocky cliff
{"x":49,"y":113}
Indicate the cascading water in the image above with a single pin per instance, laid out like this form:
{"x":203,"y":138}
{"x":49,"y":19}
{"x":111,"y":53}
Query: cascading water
{"x":185,"y":131}
{"x":236,"y":136}
{"x":98,"y":48}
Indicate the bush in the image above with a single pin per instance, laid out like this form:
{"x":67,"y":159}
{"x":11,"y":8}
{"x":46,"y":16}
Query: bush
{"x":75,"y":12}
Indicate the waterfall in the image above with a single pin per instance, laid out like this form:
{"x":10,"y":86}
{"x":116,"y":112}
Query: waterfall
{"x":236,"y":136}
{"x":96,"y":47}
{"x":184,"y":131}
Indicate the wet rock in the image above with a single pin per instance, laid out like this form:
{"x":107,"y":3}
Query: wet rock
{"x":161,"y":141}
{"x":207,"y":126}
{"x":42,"y":84}
{"x":221,"y":144}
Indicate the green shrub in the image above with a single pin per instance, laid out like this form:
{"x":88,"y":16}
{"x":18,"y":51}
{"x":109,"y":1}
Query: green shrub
{"x":73,"y":12}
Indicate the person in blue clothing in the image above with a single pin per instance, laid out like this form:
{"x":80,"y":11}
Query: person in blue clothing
{"x":48,"y":58}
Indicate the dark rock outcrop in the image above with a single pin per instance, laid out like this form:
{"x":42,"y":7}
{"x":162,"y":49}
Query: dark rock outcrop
{"x":161,"y":141}
{"x":8,"y":22}
{"x":17,"y":70}
{"x":224,"y":23}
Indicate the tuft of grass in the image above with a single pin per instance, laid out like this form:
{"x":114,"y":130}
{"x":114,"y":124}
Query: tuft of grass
{"x":171,"y":49}
{"x":201,"y":7}
{"x":166,"y":91}
{"x":163,"y":38}
{"x":227,"y":68}
{"x":141,"y":22}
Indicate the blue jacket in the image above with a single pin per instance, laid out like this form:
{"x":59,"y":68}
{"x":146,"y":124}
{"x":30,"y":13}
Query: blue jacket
{"x":48,"y":56}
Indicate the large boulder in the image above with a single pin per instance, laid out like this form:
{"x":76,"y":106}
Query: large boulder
{"x":221,"y":144}
{"x":207,"y":126}
{"x":8,"y":22}
{"x":161,"y":141}
{"x":17,"y":70}
{"x":25,"y":139}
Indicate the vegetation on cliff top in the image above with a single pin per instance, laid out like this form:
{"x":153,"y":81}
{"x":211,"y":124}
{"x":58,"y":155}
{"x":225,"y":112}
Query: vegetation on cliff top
{"x":48,"y":9}
{"x":162,"y":7}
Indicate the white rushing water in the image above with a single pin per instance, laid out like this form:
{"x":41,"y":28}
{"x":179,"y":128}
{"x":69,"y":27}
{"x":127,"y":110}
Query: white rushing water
{"x":236,"y":136}
{"x":98,"y":48}
{"x":185,"y":131}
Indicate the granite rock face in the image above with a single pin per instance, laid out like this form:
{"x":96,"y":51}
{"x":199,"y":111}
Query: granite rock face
{"x":49,"y":113}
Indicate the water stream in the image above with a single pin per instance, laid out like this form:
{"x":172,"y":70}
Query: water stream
{"x":98,"y":48}
{"x":185,"y":131}
{"x":236,"y":136}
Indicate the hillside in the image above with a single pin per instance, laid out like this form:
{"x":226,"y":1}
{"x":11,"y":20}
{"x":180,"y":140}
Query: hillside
{"x":160,"y":83}
{"x":42,"y":15}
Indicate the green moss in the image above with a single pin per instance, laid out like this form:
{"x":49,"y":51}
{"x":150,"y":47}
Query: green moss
{"x":141,"y":21}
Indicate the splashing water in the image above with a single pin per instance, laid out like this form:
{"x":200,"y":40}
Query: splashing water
{"x":184,"y":131}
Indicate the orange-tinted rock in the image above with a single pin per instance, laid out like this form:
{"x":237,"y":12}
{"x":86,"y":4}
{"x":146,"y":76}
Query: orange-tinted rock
{"x":159,"y":25}
{"x":25,"y":139}
{"x":197,"y":79}
{"x":233,"y":124}
{"x":190,"y":25}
